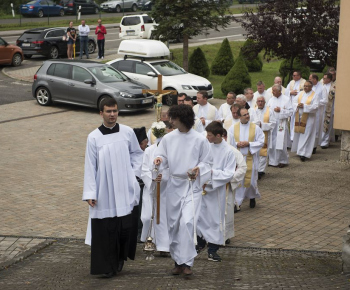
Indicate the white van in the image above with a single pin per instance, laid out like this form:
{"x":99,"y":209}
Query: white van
{"x":136,"y":26}
{"x":145,"y":59}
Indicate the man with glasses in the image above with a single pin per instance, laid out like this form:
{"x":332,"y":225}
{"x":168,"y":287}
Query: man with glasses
{"x":248,"y":138}
{"x":225,"y":109}
{"x":181,"y":98}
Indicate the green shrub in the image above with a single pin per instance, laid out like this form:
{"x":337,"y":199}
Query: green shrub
{"x":251,"y":58}
{"x":198,"y":64}
{"x":237,"y":79}
{"x":297,"y":65}
{"x":223,"y":61}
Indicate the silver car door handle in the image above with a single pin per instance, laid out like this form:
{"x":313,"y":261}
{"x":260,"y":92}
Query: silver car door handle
{"x":71,"y":84}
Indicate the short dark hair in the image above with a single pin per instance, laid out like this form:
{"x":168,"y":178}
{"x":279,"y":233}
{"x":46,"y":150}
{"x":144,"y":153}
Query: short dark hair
{"x":307,"y":81}
{"x":181,"y":94}
{"x":239,"y":111}
{"x":215,"y":127}
{"x":203,"y":93}
{"x":329,"y":76}
{"x":188,"y":99}
{"x":108,"y":102}
{"x":224,"y":133}
{"x":314,"y":76}
{"x":298,"y":72}
{"x":184,"y":113}
{"x":236,"y":106}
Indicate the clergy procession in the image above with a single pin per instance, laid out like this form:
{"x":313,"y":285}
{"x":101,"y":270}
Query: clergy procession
{"x":177,"y":186}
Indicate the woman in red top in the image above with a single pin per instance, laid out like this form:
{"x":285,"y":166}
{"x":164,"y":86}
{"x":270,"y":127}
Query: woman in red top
{"x":100,"y":32}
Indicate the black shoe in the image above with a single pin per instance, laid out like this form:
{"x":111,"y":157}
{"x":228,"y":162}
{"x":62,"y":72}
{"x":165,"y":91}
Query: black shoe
{"x":336,"y":138}
{"x":120,"y":265}
{"x":109,"y":275}
{"x":260,"y":175}
{"x":228,"y":241}
{"x":314,"y":151}
{"x":214,"y":257}
{"x":252,"y":203}
{"x":199,"y":248}
{"x":302,"y":158}
{"x":324,"y":147}
{"x":236,"y":209}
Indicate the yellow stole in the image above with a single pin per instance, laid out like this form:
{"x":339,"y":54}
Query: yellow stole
{"x":249,"y":156}
{"x":153,"y":138}
{"x":266,"y":119}
{"x":299,"y":127}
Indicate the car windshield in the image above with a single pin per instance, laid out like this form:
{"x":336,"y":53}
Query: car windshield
{"x":168,"y":68}
{"x":107,"y":74}
{"x":32,"y":2}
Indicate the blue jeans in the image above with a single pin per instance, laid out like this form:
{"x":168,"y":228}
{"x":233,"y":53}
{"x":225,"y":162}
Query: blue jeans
{"x":84,"y":46}
{"x":101,"y":47}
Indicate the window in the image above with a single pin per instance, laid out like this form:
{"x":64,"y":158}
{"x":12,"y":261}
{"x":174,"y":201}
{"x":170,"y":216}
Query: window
{"x":107,"y":74}
{"x":142,"y":69}
{"x":80,"y":75}
{"x":131,"y":21}
{"x":2,"y":42}
{"x":50,"y":34}
{"x":59,"y":70}
{"x":147,"y":19}
{"x":168,"y":68}
{"x":124,"y":65}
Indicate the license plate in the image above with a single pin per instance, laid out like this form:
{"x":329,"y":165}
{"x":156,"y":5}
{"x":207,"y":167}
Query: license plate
{"x":147,"y":101}
{"x":25,"y":44}
{"x":24,"y":7}
{"x":130,"y":32}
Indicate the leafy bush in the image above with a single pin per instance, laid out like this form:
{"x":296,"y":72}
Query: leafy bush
{"x":251,"y":58}
{"x":198,"y":64}
{"x":237,"y":79}
{"x":297,"y":65}
{"x":224,"y":60}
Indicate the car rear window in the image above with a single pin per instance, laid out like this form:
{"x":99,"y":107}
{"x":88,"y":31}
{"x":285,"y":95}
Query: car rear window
{"x":131,"y":21}
{"x":147,"y":19}
{"x":59,"y":70}
{"x":30,"y":35}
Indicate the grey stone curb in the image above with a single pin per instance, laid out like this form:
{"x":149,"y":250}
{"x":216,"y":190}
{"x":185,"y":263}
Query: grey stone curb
{"x":26,"y":254}
{"x":19,"y":78}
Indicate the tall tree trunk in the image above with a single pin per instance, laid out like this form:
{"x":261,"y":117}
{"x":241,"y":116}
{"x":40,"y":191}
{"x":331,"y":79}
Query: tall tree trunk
{"x":291,"y":69}
{"x":185,"y":52}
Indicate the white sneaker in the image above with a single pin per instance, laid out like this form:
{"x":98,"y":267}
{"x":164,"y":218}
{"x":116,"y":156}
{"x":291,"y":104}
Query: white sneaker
{"x":98,"y":57}
{"x":102,"y":57}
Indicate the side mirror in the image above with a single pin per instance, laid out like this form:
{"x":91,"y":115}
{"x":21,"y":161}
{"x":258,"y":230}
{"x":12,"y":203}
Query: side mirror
{"x":90,"y":82}
{"x":151,"y":74}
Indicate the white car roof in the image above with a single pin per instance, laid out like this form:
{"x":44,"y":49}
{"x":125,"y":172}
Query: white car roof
{"x":144,"y":48}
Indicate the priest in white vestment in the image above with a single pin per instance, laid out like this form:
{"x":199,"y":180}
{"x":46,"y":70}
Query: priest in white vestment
{"x":205,"y":111}
{"x":295,"y":86}
{"x":282,"y":109}
{"x":276,"y":81}
{"x":182,"y":150}
{"x":211,"y":221}
{"x":249,"y":94}
{"x":263,"y":117}
{"x":328,"y":136}
{"x":249,"y":139}
{"x":225,"y":108}
{"x":233,"y":118}
{"x":113,"y":159}
{"x":305,"y":106}
{"x":260,"y":86}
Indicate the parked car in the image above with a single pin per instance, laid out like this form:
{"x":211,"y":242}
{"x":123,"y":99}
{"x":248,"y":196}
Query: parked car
{"x":49,"y":42}
{"x":136,"y":26}
{"x":144,"y":61}
{"x":87,"y":83}
{"x":144,"y":5}
{"x":10,"y":54}
{"x":41,"y":8}
{"x":119,"y":5}
{"x":87,"y":6}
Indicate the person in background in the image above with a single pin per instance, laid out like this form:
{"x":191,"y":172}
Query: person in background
{"x":100,"y":31}
{"x":84,"y":38}
{"x":72,"y":36}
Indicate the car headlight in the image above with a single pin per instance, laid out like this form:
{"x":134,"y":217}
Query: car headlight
{"x":186,"y":87}
{"x":125,"y":95}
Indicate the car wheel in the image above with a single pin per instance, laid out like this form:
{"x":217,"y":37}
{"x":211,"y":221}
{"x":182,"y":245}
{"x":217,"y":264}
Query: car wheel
{"x":169,"y":100}
{"x":91,"y":47}
{"x":96,"y":10}
{"x":40,"y":13}
{"x":28,"y":56}
{"x":100,"y":101}
{"x":61,"y":12}
{"x":43,"y":96}
{"x":118,"y":9}
{"x":53,"y":52}
{"x":16,"y":59}
{"x":134,"y":8}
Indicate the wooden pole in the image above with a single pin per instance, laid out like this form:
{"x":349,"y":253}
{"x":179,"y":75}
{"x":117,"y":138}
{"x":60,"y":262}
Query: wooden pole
{"x":158,"y":203}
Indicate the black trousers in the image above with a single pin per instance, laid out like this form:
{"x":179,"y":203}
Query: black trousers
{"x":113,"y":239}
{"x":101,"y":47}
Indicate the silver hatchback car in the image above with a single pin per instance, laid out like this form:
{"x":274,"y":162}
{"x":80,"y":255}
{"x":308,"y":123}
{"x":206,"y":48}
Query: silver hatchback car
{"x":87,"y":83}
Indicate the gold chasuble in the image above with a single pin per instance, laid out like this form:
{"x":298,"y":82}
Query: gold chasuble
{"x":299,"y":126}
{"x":249,"y":156}
{"x":263,"y":150}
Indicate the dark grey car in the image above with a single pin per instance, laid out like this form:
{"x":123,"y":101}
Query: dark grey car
{"x":86,"y":83}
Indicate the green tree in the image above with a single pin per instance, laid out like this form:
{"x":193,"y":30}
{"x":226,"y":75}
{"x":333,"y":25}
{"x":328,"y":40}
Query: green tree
{"x":224,"y":60}
{"x":251,"y":57}
{"x":285,"y":68}
{"x":187,"y":18}
{"x":198,"y":64}
{"x":237,"y":79}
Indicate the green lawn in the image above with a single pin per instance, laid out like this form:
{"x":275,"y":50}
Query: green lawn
{"x":267,"y":75}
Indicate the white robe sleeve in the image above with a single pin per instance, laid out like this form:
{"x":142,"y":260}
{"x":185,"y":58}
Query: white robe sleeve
{"x":312,"y":108}
{"x":221,"y":177}
{"x":205,"y":163}
{"x":221,"y":113}
{"x":230,"y":137}
{"x":287,"y":91}
{"x":136,"y":154}
{"x":324,"y":97}
{"x":286,"y":111}
{"x":258,"y":142}
{"x":217,"y":115}
{"x":162,"y":153}
{"x":90,"y":171}
{"x":269,"y":126}
{"x":146,"y":172}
